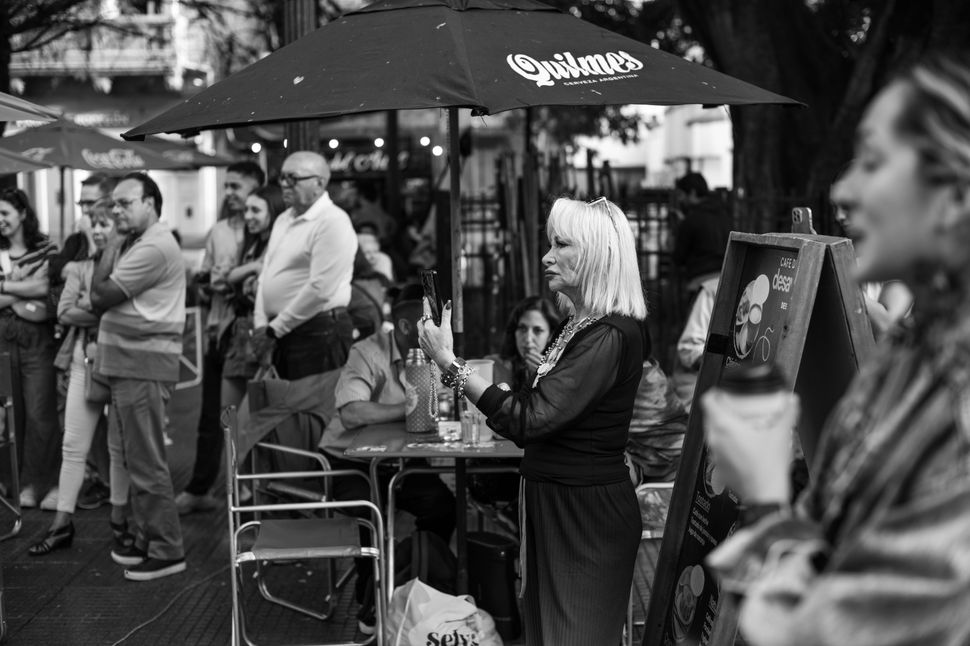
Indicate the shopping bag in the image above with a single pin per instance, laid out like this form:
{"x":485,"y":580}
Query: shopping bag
{"x":266,"y":388}
{"x":419,"y":615}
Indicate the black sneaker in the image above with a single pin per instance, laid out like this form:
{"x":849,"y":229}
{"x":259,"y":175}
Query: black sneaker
{"x":129,"y":556}
{"x":96,"y":494}
{"x":151,"y":569}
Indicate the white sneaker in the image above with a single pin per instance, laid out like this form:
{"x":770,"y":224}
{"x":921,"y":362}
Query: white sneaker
{"x":28,"y":498}
{"x":49,"y":503}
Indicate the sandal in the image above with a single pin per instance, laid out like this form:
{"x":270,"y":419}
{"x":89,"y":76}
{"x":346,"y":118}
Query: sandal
{"x":122,"y":537}
{"x":55,"y":539}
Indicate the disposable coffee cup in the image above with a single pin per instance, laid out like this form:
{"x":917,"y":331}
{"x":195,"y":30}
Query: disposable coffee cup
{"x":757,"y":393}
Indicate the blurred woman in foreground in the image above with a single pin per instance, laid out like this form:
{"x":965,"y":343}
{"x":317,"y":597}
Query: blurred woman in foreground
{"x":877,"y":550}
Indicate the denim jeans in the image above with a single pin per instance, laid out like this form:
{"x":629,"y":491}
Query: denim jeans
{"x":138,"y":412}
{"x":31,"y":347}
{"x":81,"y":419}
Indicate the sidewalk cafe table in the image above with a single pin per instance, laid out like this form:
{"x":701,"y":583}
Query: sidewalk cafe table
{"x":381,"y":442}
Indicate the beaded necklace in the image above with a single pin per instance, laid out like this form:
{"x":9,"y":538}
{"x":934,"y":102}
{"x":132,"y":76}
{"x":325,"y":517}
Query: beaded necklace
{"x":551,"y":356}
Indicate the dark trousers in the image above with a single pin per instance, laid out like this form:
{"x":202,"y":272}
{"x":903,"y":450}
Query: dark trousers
{"x":318,"y":345}
{"x":422,"y":494}
{"x":209,"y":441}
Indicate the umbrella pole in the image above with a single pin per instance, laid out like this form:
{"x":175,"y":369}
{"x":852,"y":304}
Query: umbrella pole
{"x":454,"y":164}
{"x":60,"y":202}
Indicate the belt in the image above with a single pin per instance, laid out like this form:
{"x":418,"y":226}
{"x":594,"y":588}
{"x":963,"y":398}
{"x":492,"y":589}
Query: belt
{"x":335,"y":312}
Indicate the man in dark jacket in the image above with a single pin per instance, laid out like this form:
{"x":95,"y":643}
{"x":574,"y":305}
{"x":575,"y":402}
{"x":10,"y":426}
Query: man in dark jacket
{"x":702,"y":236}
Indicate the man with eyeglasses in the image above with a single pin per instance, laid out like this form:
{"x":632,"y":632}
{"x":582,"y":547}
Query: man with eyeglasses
{"x":304,"y":287}
{"x":223,"y":248}
{"x":139,"y":285}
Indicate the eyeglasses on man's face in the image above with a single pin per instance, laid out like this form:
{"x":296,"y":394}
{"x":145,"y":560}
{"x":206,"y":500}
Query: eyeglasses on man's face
{"x":125,"y":204}
{"x":86,"y":204}
{"x":289,"y":180}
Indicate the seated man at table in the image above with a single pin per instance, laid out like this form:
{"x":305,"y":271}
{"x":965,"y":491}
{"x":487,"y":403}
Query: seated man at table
{"x":370,"y":390}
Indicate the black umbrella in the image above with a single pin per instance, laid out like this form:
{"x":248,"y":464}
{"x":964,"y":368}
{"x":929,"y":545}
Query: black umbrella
{"x":487,"y":55}
{"x":13,"y":108}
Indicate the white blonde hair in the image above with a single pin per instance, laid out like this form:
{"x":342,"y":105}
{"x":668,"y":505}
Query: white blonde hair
{"x":609,"y":276}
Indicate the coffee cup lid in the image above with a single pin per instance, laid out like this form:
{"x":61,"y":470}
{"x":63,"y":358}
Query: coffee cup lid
{"x":753,"y":379}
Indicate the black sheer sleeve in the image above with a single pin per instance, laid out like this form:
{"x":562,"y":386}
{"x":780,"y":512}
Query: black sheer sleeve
{"x":584,"y":373}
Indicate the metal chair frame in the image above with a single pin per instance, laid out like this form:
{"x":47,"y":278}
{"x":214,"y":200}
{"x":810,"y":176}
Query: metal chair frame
{"x":8,"y":442}
{"x":282,"y":490}
{"x":258,"y":553}
{"x":647,"y":534}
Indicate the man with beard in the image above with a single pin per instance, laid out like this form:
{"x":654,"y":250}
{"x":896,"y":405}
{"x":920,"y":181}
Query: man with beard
{"x":222,"y":251}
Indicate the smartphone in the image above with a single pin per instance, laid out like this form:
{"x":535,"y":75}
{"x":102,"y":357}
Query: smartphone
{"x":801,"y":220}
{"x":429,"y":281}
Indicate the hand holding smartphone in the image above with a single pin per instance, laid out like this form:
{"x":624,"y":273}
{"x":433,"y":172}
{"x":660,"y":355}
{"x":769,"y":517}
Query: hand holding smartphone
{"x":429,"y":282}
{"x":801,"y":220}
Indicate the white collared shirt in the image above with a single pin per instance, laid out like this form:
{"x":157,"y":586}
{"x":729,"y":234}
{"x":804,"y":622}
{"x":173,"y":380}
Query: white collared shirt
{"x":308,"y":266}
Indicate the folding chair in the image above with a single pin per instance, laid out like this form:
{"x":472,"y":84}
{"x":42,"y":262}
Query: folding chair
{"x":284,"y":490}
{"x":8,"y":442}
{"x":274,"y":535}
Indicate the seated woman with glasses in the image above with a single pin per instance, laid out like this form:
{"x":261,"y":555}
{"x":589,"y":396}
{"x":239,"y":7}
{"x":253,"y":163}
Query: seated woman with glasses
{"x":27,"y":334}
{"x":582,"y":522}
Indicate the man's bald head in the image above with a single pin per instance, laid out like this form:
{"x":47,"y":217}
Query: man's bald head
{"x":304,"y":178}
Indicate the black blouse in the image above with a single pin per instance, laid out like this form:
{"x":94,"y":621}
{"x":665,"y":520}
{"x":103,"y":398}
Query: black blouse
{"x":574,"y":424}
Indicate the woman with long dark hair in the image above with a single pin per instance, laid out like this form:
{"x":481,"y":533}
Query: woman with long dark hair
{"x":527,"y":333}
{"x":27,"y":333}
{"x":262,"y":208}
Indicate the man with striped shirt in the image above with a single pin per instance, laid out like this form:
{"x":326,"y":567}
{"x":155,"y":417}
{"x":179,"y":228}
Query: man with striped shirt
{"x":140,"y":287}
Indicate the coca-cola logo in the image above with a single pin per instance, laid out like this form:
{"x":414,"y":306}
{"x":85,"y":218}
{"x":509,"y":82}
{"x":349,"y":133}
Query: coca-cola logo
{"x":178,"y":156}
{"x":572,"y":70}
{"x":37,"y":154}
{"x":116,"y":158}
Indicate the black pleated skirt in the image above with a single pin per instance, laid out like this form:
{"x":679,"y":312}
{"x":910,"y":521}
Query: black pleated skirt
{"x":581,"y":549}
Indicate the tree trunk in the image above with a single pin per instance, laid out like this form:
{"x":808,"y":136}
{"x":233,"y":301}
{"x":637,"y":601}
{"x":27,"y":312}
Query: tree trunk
{"x":4,"y":54}
{"x":785,"y":47}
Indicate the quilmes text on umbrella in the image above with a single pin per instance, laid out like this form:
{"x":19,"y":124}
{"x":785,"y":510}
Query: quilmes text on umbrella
{"x":565,"y":66}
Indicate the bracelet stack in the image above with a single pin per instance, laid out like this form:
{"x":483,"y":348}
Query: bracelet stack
{"x":456,"y":376}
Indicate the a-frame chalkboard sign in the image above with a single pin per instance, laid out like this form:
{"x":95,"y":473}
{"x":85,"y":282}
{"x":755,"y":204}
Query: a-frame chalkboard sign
{"x":788,"y":299}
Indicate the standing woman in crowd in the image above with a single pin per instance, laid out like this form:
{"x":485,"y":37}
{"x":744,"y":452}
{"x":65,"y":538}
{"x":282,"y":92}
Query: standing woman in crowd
{"x":27,"y":333}
{"x":877,"y":549}
{"x":582,"y":523}
{"x":75,"y":313}
{"x":262,"y":207}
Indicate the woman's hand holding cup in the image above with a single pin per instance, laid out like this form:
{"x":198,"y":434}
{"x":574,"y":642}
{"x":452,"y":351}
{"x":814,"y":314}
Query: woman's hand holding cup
{"x":751,"y":442}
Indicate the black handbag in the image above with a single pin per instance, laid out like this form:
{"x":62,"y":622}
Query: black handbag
{"x":96,"y":389}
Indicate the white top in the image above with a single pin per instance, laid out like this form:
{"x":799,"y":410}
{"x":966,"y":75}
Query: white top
{"x":307,"y":268}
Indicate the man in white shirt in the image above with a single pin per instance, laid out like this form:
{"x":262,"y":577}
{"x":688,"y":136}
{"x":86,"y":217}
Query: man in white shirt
{"x":304,"y":287}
